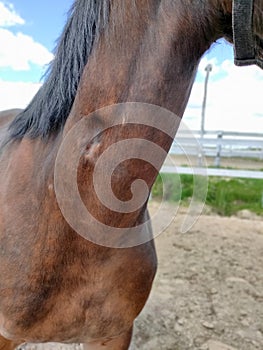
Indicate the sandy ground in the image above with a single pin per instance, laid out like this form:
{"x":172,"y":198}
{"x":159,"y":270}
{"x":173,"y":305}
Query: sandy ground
{"x":208,"y":292}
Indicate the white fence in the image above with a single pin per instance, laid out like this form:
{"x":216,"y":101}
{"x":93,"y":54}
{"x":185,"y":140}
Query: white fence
{"x":218,"y":144}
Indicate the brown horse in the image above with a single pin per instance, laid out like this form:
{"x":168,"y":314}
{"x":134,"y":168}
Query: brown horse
{"x":55,"y":285}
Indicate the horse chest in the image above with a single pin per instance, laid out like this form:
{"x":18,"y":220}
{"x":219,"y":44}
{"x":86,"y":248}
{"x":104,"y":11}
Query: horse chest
{"x":81,"y":295}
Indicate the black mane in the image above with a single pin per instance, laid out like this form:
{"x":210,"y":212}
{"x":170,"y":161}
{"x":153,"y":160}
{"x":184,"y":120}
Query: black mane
{"x":49,"y":109}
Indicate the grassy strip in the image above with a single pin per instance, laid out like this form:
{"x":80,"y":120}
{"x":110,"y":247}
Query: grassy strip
{"x":225,"y":196}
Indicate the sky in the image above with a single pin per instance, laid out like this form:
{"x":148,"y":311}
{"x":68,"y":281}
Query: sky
{"x":28,"y":32}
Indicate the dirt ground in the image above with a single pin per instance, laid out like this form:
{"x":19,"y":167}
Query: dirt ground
{"x":208,"y":292}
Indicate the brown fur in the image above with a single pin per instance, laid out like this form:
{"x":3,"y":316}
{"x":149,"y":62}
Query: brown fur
{"x":55,"y":285}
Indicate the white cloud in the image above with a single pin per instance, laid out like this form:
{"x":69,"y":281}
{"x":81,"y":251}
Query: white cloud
{"x":234,"y":102}
{"x":8,"y":15}
{"x":16,"y":94}
{"x":17,"y":51}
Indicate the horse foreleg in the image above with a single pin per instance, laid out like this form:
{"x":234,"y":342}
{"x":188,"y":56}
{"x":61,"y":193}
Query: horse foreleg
{"x":6,"y":344}
{"x":120,"y":343}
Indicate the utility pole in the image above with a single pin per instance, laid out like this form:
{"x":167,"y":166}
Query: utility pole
{"x":208,"y":69}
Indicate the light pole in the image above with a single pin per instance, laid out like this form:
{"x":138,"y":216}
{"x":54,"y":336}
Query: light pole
{"x":208,"y":69}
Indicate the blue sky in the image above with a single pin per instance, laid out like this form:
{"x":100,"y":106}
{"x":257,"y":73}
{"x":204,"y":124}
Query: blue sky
{"x":29,"y":29}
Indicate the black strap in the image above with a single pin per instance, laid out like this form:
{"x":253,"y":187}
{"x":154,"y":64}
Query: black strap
{"x":244,"y":44}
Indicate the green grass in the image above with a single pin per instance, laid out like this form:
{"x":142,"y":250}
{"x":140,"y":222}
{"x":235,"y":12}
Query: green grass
{"x":225,"y":196}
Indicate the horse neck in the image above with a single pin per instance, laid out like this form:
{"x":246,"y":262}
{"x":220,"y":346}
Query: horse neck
{"x":148,"y":55}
